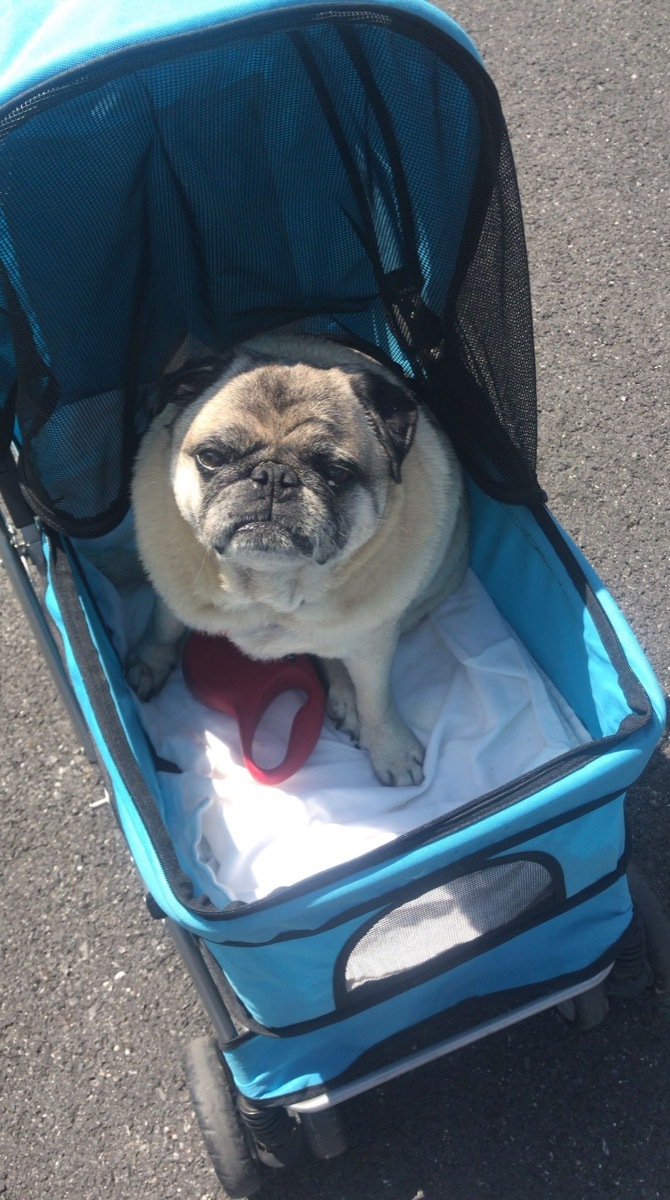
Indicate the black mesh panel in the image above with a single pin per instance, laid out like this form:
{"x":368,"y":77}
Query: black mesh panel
{"x":348,"y":177}
{"x":452,"y":915}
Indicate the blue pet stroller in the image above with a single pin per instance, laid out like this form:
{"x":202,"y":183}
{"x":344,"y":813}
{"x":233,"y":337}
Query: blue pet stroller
{"x":175,"y":178}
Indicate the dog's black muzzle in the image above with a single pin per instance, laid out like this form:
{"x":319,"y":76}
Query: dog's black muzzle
{"x":276,"y":481}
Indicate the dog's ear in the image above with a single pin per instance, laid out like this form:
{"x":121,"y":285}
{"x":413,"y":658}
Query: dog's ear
{"x":393,"y":411}
{"x":189,"y":381}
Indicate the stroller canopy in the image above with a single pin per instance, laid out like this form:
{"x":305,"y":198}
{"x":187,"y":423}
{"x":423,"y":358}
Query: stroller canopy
{"x":175,"y":178}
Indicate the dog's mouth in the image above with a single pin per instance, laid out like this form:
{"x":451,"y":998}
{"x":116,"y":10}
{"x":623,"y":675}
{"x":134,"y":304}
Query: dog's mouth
{"x":265,"y":539}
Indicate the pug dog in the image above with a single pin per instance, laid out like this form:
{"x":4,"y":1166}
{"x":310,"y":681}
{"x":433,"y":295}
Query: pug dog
{"x":295,"y":496}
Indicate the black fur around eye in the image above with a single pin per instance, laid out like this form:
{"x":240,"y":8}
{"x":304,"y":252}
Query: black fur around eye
{"x":338,"y":474}
{"x":335,"y":471}
{"x":211,"y":458}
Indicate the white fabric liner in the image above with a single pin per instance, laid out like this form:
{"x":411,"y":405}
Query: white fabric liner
{"x":462,"y":680}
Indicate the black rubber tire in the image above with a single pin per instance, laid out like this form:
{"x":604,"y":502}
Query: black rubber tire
{"x":214,"y":1101}
{"x":587,"y":1010}
{"x":644,"y":962}
{"x":324,"y":1133}
{"x":656,"y":928}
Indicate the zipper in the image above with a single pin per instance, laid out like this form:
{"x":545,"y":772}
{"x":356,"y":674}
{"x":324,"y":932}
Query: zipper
{"x":636,"y":696}
{"x":519,"y":788}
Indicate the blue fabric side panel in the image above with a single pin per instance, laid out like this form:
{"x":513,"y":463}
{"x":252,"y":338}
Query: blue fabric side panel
{"x":512,"y":557}
{"x":294,"y":980}
{"x":44,"y":37}
{"x":266,"y":1068}
{"x":608,"y":775}
{"x":533,"y":592}
{"x":587,"y":847}
{"x":632,"y":649}
{"x":141,"y":849}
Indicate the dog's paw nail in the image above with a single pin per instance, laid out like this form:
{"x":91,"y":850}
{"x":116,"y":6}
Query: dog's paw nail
{"x":399,"y":764}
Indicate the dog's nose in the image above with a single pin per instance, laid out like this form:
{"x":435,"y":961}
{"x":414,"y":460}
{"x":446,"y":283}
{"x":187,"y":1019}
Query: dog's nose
{"x":274,"y":477}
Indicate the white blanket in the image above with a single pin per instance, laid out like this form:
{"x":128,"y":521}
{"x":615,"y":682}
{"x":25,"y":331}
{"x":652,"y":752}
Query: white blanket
{"x":462,"y":680}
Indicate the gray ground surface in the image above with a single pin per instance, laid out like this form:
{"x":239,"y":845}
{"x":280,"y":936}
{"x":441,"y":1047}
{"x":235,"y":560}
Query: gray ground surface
{"x":94,"y":1007}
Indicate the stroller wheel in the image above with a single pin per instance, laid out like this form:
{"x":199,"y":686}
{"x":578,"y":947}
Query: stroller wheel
{"x":213,"y":1096}
{"x":656,"y":929}
{"x":587,"y":1010}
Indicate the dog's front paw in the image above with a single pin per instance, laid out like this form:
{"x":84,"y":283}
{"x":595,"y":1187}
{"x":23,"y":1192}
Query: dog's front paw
{"x":341,"y":709}
{"x":147,"y":669}
{"x":396,"y":756}
{"x":341,"y":703}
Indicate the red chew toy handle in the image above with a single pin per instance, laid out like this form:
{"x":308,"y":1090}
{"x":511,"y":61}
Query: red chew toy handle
{"x":306,"y":727}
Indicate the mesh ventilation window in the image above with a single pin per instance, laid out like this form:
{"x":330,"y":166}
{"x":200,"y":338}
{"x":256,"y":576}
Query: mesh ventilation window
{"x":351,"y":177}
{"x":448,"y":916}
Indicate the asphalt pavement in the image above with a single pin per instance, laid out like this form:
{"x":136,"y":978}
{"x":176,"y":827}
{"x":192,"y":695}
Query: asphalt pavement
{"x":95,"y":1008}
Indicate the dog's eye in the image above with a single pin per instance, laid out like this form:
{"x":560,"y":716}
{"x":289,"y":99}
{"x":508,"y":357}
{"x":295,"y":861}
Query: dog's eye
{"x":335,"y":471}
{"x":337,"y":474}
{"x":210,"y":458}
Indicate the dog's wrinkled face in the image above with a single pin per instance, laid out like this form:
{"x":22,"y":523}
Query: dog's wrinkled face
{"x":286,"y":462}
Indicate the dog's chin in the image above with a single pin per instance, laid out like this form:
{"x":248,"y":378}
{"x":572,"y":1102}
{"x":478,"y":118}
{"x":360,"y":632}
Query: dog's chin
{"x":262,"y":544}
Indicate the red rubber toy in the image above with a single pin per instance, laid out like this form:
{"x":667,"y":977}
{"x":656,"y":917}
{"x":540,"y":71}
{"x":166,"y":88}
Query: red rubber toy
{"x":221,"y":676}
